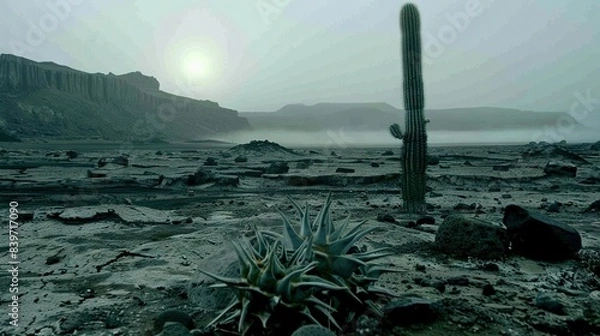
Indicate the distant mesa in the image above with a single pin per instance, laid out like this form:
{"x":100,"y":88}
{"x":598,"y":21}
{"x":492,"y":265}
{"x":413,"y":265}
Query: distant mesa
{"x":46,"y":100}
{"x":152,"y":140}
{"x":377,"y":116}
{"x":209,"y":142}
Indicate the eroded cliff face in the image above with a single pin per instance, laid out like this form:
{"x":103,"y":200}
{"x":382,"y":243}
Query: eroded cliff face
{"x":75,"y":103}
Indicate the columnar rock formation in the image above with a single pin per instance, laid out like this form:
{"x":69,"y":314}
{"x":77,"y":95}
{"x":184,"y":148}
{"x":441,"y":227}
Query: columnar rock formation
{"x":32,"y":91}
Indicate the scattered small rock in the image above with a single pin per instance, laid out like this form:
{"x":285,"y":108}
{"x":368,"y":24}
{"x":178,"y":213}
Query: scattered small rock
{"x":173,"y":316}
{"x":386,"y":218}
{"x":490,"y":267}
{"x":411,"y":224}
{"x":464,"y":206}
{"x":554,"y":168}
{"x":488,"y":290}
{"x":409,"y":310}
{"x":594,"y":207}
{"x":210,"y":161}
{"x":120,"y":160}
{"x":277,"y":167}
{"x":458,"y":281}
{"x":203,"y":176}
{"x":112,"y":321}
{"x":344,"y":170}
{"x":426,"y":220}
{"x":549,"y":303}
{"x":53,"y":260}
{"x":175,"y":329}
{"x":26,"y":216}
{"x":439,"y":285}
{"x":434,"y":194}
{"x":432,"y":160}
{"x":302,"y":165}
{"x":95,"y":174}
{"x":313,"y":330}
{"x":554,"y":207}
{"x":71,"y":154}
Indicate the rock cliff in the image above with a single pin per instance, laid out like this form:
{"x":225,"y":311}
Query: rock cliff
{"x":47,"y":99}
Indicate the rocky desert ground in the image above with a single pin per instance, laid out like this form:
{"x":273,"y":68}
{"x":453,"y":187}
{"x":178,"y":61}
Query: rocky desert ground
{"x":111,"y":239}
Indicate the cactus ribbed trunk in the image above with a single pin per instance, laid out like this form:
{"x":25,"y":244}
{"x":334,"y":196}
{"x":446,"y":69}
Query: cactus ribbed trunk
{"x":414,"y":140}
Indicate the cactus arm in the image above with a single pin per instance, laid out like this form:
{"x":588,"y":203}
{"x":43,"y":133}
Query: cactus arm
{"x":396,"y":131}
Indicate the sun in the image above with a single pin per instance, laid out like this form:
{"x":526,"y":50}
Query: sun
{"x":196,"y":67}
{"x":195,"y":62}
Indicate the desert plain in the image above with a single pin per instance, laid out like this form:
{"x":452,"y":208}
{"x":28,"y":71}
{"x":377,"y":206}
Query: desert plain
{"x":111,"y":236}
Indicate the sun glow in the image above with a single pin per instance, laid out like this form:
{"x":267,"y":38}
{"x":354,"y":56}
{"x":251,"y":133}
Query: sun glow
{"x":196,"y":67}
{"x":194,"y":62}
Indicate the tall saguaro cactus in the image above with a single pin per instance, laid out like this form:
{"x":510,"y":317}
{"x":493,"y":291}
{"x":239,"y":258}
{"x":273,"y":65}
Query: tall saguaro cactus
{"x":414,"y":149}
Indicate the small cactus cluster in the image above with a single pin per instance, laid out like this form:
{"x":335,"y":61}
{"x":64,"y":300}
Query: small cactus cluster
{"x":414,"y":149}
{"x":315,"y":274}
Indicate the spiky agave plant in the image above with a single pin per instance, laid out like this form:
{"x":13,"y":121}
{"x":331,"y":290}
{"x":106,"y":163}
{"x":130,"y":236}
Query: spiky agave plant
{"x":333,"y":249}
{"x":312,"y":273}
{"x":272,"y":281}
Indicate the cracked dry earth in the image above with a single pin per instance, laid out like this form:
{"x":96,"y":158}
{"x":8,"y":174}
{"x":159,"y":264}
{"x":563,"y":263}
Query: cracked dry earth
{"x":105,"y":253}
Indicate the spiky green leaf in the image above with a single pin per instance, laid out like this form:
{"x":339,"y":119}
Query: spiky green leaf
{"x":291,"y":239}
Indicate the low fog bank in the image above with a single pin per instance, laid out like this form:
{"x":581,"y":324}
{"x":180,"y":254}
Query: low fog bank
{"x":340,"y":138}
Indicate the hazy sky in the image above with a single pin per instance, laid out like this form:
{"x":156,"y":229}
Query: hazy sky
{"x":258,"y":55}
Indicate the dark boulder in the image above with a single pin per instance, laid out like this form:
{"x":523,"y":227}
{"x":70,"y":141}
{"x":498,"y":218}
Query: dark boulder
{"x":463,"y":237}
{"x":535,"y":235}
